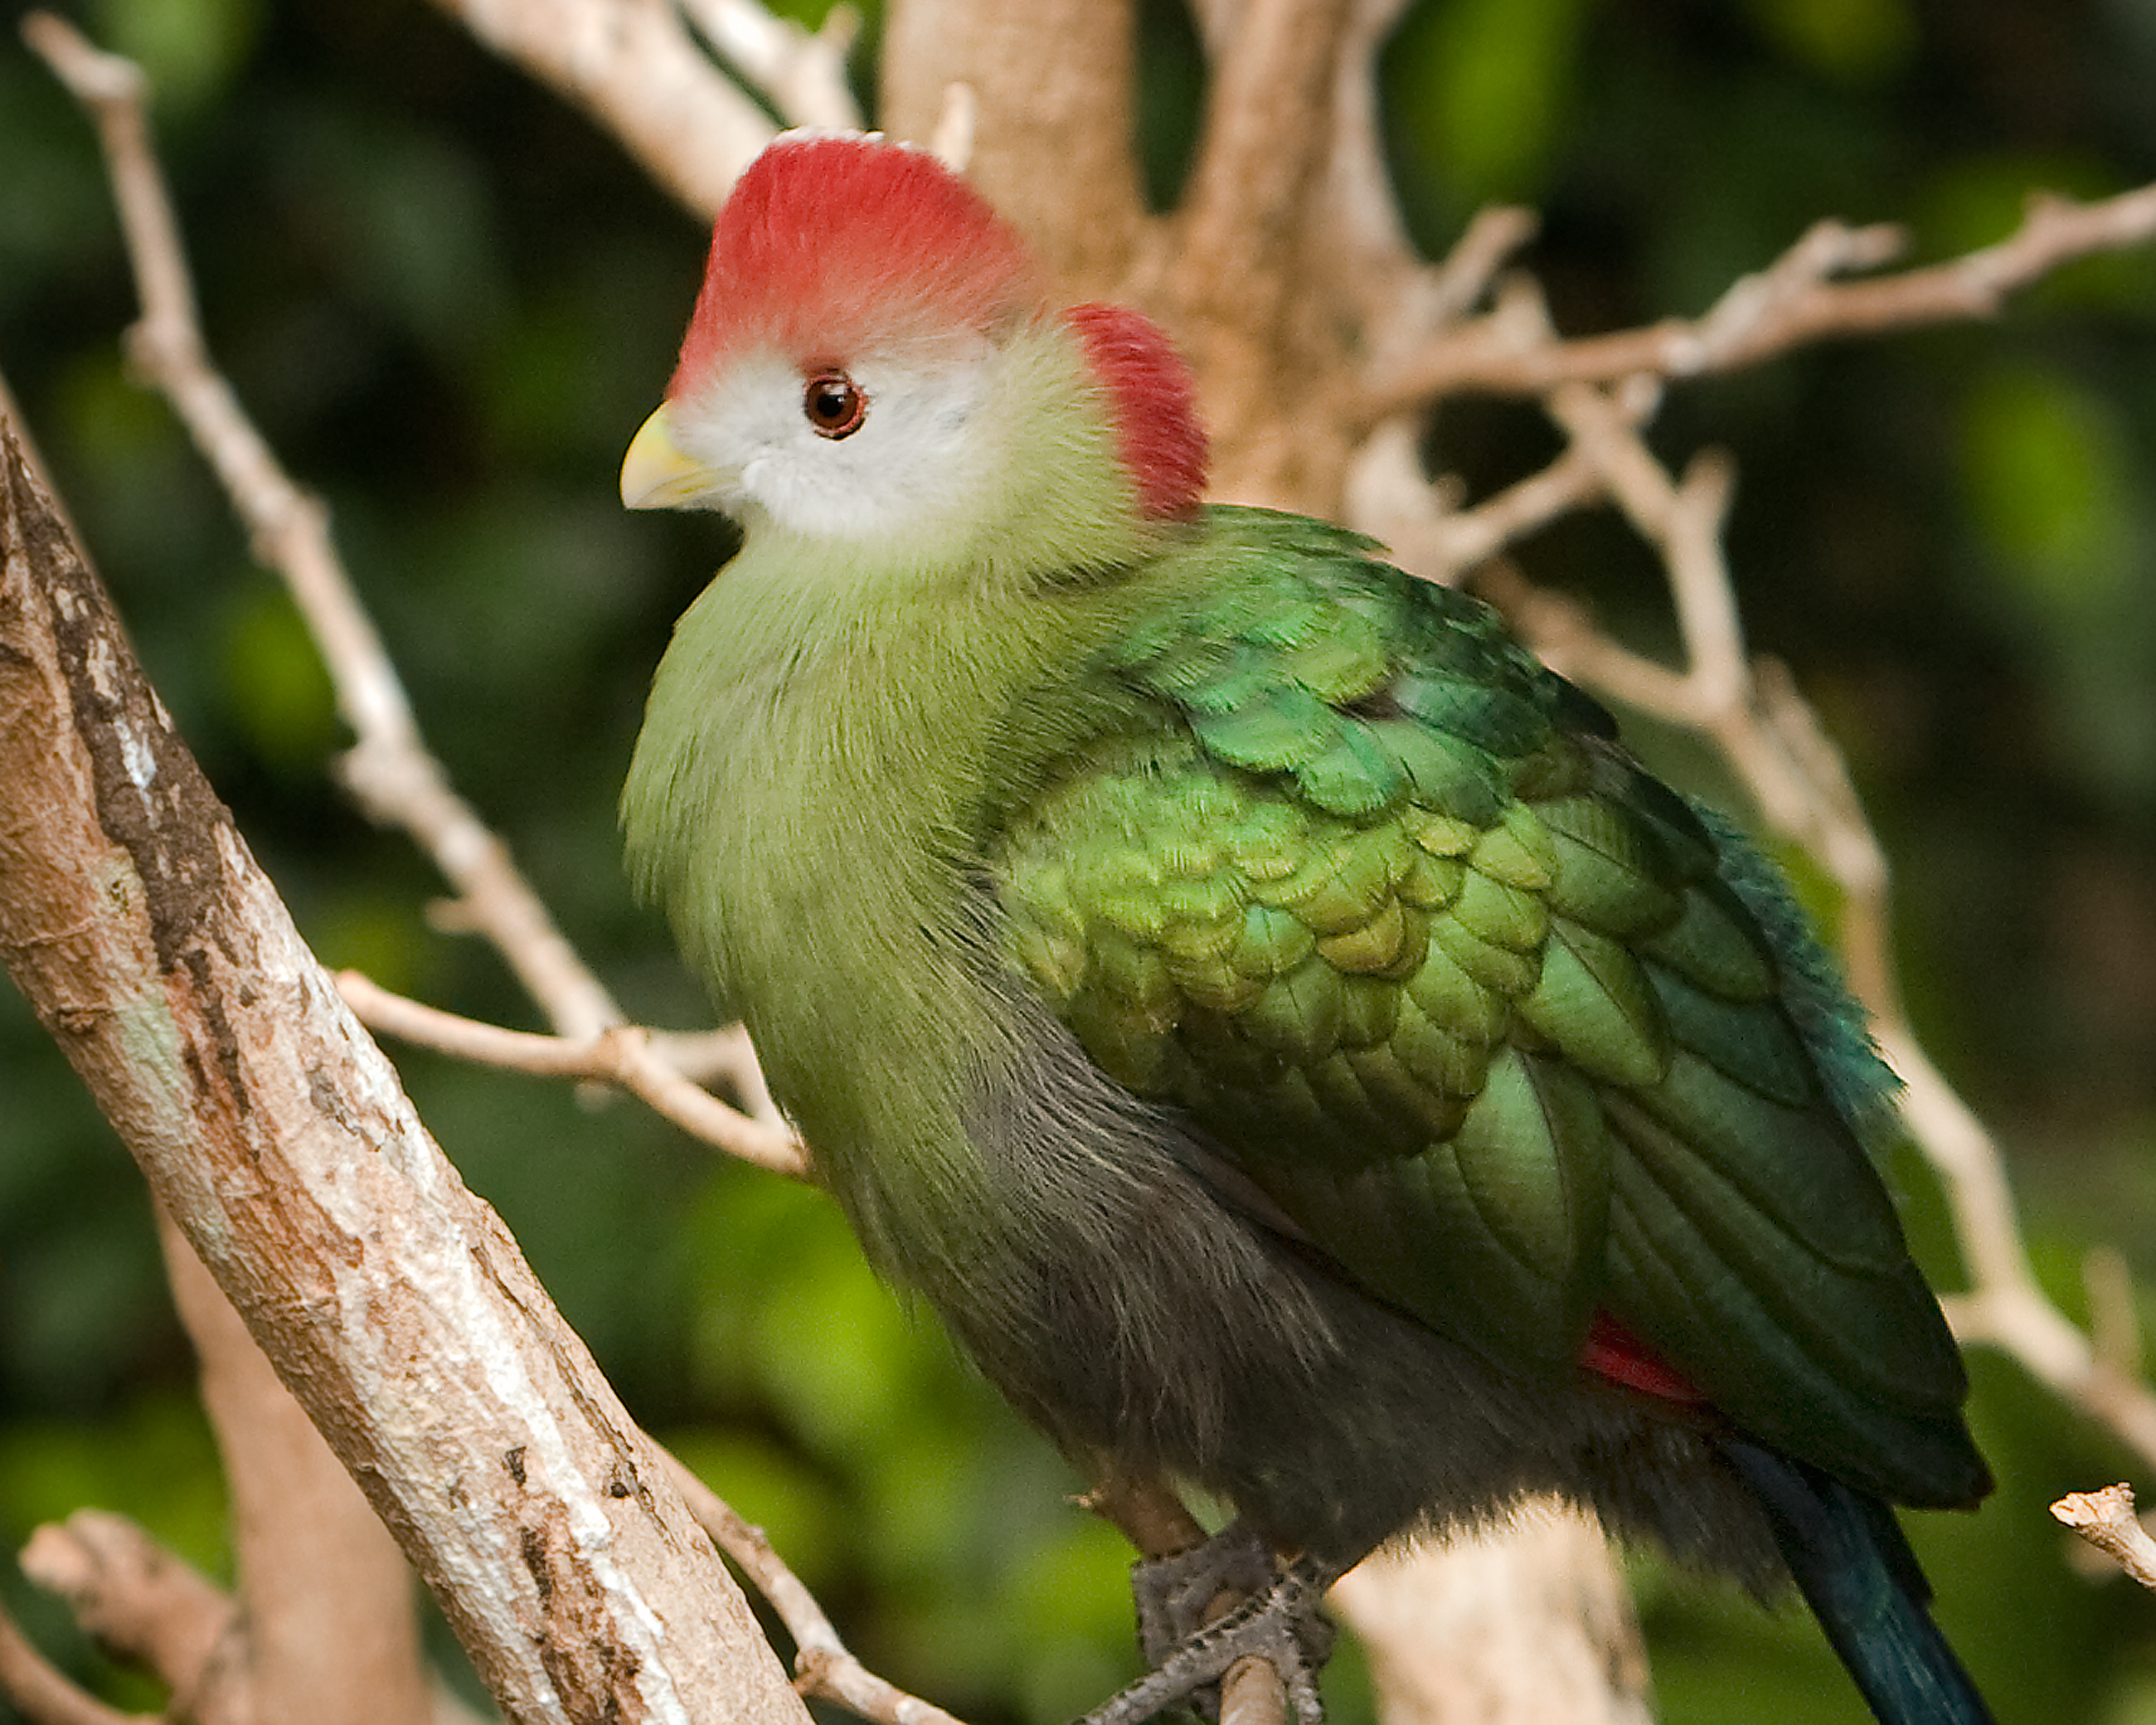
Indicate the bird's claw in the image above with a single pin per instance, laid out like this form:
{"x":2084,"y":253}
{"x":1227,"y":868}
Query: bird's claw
{"x":1277,"y":1619}
{"x":1175,"y":1594}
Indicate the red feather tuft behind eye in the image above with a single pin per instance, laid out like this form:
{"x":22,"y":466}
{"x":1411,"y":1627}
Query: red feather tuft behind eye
{"x":1154,"y":401}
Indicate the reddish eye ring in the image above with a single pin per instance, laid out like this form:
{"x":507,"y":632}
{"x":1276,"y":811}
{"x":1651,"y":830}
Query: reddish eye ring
{"x":833,"y":404}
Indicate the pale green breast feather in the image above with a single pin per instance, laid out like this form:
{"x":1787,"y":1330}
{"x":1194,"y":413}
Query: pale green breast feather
{"x":805,"y":801}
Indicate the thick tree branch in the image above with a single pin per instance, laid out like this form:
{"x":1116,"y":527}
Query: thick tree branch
{"x":1049,"y":85}
{"x":1242,"y":285}
{"x":1267,"y":134}
{"x":394,"y":1306}
{"x":330,"y":1635}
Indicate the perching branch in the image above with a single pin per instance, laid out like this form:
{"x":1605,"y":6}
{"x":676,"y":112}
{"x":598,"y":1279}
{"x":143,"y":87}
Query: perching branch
{"x":1147,"y":1511}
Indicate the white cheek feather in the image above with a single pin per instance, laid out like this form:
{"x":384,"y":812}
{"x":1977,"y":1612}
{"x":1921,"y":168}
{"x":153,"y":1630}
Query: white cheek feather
{"x":920,"y":462}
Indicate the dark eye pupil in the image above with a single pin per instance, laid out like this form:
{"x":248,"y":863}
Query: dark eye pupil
{"x":833,"y":404}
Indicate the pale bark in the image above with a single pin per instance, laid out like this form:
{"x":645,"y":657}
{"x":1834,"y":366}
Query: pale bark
{"x":396,"y":1307}
{"x":1523,"y":1626}
{"x":330,"y":1636}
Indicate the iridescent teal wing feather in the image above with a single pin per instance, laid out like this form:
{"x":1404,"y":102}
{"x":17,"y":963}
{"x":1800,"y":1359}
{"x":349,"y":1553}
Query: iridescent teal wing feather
{"x":1508,"y":1030}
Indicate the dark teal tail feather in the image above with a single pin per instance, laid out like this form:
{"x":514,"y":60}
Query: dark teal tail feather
{"x":1850,"y":1559}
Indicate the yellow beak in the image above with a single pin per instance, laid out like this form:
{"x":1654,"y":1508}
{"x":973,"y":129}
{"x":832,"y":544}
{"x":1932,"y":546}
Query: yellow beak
{"x":656,"y":474}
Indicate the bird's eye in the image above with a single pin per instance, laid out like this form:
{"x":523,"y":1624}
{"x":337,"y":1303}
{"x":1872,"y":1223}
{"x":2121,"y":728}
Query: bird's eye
{"x":833,"y":404}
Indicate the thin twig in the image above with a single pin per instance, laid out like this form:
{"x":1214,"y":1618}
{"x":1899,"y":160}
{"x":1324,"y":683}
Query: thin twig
{"x":823,"y":1668}
{"x":2106,"y":1521}
{"x":1483,"y":248}
{"x":622,"y":1055}
{"x":2114,"y":1321}
{"x":389,"y":767}
{"x":43,"y":1693}
{"x":1422,"y":524}
{"x":140,"y":1601}
{"x":1793,"y":303}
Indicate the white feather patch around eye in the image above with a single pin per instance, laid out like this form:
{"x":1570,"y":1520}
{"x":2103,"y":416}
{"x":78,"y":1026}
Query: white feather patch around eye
{"x":921,"y":458}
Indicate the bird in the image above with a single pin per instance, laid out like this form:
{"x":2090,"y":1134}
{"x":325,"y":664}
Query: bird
{"x":1295,"y":1048}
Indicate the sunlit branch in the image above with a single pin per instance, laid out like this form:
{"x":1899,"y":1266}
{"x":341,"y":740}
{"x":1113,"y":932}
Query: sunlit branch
{"x":623,"y":1054}
{"x":1797,"y":301}
{"x":2106,"y":1521}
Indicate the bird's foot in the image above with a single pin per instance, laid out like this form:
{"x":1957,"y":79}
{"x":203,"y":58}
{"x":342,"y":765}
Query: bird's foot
{"x":1176,"y":1595}
{"x":1276,"y":1620}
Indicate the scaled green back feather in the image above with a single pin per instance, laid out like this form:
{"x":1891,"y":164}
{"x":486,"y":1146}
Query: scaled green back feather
{"x":1511,"y":1033}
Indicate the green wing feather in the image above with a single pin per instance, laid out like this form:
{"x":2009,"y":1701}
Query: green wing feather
{"x":1509,"y":1030}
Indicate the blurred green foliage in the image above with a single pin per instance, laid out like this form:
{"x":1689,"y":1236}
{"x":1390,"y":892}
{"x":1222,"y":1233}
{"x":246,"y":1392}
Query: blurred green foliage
{"x":448,"y":301}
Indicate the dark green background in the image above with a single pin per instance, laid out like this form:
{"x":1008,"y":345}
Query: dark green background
{"x":449,"y":300}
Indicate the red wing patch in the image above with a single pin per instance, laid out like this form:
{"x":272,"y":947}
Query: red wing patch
{"x":1613,"y":1352}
